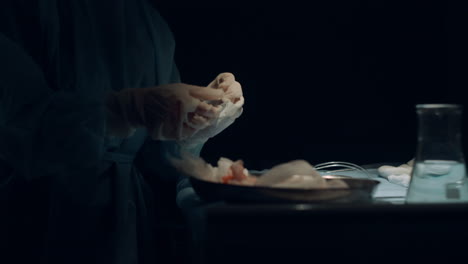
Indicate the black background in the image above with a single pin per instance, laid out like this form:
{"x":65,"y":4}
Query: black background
{"x":324,"y":81}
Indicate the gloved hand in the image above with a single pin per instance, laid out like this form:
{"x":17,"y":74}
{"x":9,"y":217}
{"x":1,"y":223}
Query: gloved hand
{"x":169,"y":112}
{"x":231,"y":103}
{"x":227,"y":82}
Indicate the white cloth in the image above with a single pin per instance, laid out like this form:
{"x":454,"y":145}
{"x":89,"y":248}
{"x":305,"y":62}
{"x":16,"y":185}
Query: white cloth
{"x":400,"y":175}
{"x":294,"y":174}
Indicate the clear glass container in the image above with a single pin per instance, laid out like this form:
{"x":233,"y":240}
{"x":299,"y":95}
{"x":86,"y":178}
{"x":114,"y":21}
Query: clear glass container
{"x":439,"y":172}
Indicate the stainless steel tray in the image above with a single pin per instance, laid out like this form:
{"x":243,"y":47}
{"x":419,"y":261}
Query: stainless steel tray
{"x":360,"y":190}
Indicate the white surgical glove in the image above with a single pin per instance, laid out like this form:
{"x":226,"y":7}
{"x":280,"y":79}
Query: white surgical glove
{"x":231,"y":103}
{"x":169,"y":112}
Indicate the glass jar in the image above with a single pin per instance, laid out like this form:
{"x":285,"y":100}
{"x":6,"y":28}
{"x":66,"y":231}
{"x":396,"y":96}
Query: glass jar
{"x":439,"y":171}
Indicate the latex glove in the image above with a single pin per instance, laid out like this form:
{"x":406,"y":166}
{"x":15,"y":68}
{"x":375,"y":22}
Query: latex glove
{"x":169,"y":112}
{"x":227,"y":82}
{"x":231,"y":103}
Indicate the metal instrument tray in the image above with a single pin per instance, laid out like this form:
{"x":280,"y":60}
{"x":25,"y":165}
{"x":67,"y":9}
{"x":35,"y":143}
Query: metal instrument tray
{"x":360,"y":190}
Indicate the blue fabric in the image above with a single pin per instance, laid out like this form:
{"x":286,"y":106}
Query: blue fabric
{"x":58,"y":60}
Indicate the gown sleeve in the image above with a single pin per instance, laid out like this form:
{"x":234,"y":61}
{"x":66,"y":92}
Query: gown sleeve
{"x":47,"y":133}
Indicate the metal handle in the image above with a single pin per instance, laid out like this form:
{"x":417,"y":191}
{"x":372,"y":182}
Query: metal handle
{"x":348,"y":165}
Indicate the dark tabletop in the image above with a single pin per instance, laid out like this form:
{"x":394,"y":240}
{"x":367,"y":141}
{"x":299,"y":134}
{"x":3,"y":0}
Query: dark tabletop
{"x":383,"y":230}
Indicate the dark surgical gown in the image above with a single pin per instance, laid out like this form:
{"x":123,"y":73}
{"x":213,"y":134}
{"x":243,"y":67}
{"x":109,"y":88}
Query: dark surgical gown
{"x":69,"y":193}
